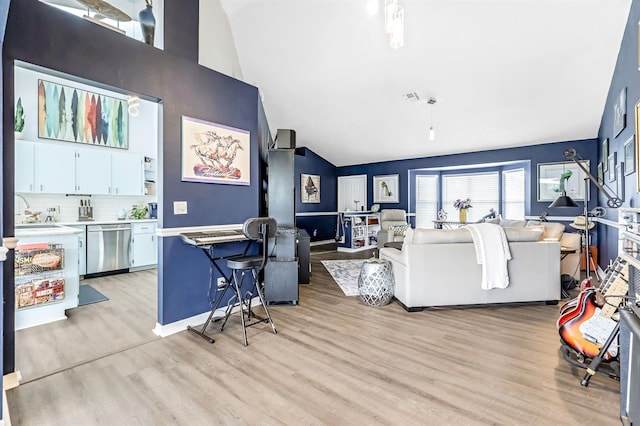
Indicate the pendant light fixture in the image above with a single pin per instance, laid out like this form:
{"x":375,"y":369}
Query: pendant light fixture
{"x":432,"y":130}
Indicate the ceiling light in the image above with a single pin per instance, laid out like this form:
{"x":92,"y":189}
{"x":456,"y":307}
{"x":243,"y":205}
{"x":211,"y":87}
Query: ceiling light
{"x":394,"y":23}
{"x":133,"y":105}
{"x":390,"y":7}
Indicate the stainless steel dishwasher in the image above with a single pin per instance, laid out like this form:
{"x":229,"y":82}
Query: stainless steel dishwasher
{"x":108,"y":247}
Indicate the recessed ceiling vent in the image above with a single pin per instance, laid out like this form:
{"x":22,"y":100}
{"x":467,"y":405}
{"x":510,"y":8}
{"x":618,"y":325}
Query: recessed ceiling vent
{"x":411,"y":97}
{"x":432,"y":101}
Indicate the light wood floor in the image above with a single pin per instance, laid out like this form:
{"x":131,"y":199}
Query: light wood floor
{"x":333,"y":361}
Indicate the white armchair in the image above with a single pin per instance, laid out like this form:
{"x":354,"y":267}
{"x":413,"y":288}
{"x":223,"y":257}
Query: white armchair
{"x":397,"y":220}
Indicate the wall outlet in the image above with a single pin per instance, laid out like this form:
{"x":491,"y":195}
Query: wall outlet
{"x":221,"y":282}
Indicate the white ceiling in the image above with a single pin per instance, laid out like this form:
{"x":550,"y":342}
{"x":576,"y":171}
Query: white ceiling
{"x":506,"y":72}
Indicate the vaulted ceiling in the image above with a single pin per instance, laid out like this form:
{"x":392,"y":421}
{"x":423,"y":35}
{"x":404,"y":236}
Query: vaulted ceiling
{"x":505,"y":72}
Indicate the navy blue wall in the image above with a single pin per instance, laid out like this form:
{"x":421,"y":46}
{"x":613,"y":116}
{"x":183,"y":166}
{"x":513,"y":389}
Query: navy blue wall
{"x":45,"y":36}
{"x":626,"y":74}
{"x":321,"y":227}
{"x":546,"y":153}
{"x":311,"y":163}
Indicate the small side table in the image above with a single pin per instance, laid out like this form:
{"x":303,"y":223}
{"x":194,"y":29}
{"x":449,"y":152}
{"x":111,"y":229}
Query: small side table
{"x":375,"y":283}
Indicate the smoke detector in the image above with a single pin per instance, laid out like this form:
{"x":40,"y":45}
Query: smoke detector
{"x":411,"y":97}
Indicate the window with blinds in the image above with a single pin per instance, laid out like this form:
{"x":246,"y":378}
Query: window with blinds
{"x":513,"y":194}
{"x":426,"y":200}
{"x":483,"y":189}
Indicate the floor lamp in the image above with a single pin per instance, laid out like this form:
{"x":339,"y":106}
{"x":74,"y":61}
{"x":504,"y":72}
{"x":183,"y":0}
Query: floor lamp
{"x":565,"y":201}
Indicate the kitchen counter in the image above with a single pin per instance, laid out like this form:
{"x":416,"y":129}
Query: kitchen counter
{"x":39,"y":229}
{"x":83,"y":222}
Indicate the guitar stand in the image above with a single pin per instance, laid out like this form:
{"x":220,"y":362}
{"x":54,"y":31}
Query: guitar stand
{"x":597,"y":360}
{"x":610,"y":369}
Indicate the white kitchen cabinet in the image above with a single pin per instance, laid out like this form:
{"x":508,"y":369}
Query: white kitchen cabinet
{"x":93,"y":171}
{"x":24,"y":171}
{"x":61,"y":169}
{"x":127,"y":175}
{"x":55,"y":169}
{"x":144,"y":245}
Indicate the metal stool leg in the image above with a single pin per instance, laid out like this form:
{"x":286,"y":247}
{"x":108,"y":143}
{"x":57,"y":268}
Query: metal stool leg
{"x":241,"y":300}
{"x":264,"y":305}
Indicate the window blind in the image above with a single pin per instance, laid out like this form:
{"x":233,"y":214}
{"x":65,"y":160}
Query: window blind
{"x":513,"y":194}
{"x":481,"y":188}
{"x":426,"y":200}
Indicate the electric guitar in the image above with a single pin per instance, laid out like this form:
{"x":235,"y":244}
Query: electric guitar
{"x":586,"y":328}
{"x":571,"y":308}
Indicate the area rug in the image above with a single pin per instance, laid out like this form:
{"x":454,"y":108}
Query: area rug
{"x":89,"y":295}
{"x":345,"y":273}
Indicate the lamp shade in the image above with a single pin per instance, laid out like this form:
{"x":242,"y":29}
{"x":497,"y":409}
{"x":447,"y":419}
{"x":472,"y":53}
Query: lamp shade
{"x":563,"y":201}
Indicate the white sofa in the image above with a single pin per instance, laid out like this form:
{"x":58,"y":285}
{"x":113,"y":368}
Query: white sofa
{"x":439,"y":268}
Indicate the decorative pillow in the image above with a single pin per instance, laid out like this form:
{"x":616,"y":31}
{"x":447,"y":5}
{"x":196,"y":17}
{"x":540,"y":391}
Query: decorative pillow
{"x":552,"y":230}
{"x":398,"y":230}
{"x":495,"y":220}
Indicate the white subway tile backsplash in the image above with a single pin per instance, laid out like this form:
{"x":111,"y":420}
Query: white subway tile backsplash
{"x":105,"y":207}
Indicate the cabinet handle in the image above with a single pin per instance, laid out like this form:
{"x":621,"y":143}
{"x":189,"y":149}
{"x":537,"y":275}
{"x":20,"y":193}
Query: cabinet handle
{"x":30,"y":187}
{"x":41,"y":189}
{"x":109,"y":190}
{"x":116,"y":190}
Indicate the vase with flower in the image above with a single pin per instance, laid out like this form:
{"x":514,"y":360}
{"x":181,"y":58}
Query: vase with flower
{"x":462,"y":206}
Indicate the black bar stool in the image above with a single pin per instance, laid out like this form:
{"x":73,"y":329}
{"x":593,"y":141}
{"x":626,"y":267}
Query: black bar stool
{"x":257,"y":229}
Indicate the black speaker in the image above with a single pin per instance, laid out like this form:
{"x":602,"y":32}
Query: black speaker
{"x":285,"y":139}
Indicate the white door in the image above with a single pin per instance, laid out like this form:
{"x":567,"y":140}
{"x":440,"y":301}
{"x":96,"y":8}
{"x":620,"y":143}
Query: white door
{"x":352,"y":193}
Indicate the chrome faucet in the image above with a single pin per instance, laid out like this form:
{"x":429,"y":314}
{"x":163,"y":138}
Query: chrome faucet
{"x":26,"y":203}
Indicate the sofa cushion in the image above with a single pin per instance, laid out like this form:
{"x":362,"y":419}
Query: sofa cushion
{"x":441,"y":236}
{"x":462,"y":235}
{"x":408,"y":236}
{"x":508,"y":223}
{"x":523,"y":234}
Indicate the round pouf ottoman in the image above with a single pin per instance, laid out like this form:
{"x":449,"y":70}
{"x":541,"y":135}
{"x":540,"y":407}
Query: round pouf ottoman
{"x":375,"y":283}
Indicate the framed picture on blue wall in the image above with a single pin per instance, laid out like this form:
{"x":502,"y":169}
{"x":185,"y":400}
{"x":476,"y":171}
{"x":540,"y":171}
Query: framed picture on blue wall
{"x":600,"y":173}
{"x":612,"y":167}
{"x":620,"y":182}
{"x":620,"y":112}
{"x":629,"y":156}
{"x":385,"y":189}
{"x":215,"y":153}
{"x":310,"y":192}
{"x":567,"y":176}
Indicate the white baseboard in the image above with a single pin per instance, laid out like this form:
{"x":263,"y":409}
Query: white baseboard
{"x":196,"y":320}
{"x":319,"y":243}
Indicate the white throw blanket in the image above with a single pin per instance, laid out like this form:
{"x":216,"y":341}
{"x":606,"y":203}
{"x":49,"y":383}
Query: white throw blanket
{"x":492,"y":252}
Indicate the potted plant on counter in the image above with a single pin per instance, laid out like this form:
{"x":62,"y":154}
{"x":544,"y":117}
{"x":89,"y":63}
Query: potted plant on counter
{"x":139,"y":211}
